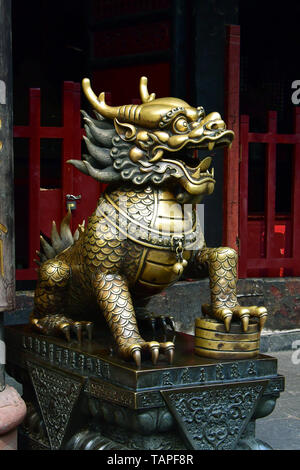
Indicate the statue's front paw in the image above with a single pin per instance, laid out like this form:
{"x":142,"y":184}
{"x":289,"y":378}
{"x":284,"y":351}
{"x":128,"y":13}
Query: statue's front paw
{"x":155,"y":325}
{"x":159,"y":323}
{"x":243,"y":313}
{"x":133,"y":350}
{"x":59,"y":325}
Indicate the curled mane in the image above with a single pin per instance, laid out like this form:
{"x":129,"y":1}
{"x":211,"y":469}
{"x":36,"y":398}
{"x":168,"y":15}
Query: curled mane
{"x":108,"y":158}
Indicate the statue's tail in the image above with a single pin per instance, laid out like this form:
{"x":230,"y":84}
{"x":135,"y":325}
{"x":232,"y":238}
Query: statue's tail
{"x":59,"y":241}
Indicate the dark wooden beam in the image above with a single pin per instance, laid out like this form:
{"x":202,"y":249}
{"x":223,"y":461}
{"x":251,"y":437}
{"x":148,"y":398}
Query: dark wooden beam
{"x":210,"y":21}
{"x":132,"y":59}
{"x":179,"y":49}
{"x":130,"y":19}
{"x":7,"y":237}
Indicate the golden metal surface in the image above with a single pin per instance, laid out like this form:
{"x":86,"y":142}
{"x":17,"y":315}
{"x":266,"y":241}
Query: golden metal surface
{"x":222,"y":267}
{"x":154,"y":131}
{"x":212,"y":340}
{"x":141,"y":236}
{"x":213,"y":324}
{"x":217,"y":336}
{"x":224,"y":345}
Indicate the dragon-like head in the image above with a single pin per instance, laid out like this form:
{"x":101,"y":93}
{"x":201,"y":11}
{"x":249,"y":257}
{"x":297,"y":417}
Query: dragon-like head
{"x":152,"y":142}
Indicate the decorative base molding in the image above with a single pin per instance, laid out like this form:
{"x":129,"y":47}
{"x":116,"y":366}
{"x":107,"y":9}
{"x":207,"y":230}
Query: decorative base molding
{"x":85,"y":397}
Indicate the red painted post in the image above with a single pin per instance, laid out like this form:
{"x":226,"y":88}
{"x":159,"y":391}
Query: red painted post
{"x":270,"y":261}
{"x":77,"y":137}
{"x":71,"y":134}
{"x":34,"y":174}
{"x":296,"y":195}
{"x":232,"y":156}
{"x":243,"y":191}
{"x":68,"y":142}
{"x":270,"y":193}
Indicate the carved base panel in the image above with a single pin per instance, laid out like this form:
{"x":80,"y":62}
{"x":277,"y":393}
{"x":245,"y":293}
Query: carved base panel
{"x":85,"y":397}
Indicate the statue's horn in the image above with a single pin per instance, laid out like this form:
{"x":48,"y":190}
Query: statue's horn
{"x":99,"y":103}
{"x":145,"y":97}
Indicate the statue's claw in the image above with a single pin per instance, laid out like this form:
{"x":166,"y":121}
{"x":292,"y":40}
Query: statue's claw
{"x":164,"y":322}
{"x":259,"y":312}
{"x":35,"y":322}
{"x":151,"y":321}
{"x":86,"y":326}
{"x":170,"y":356}
{"x":227,"y":322}
{"x":78,"y":330}
{"x":136,"y":356}
{"x":66,"y":330}
{"x":58,"y":325}
{"x":77,"y":327}
{"x":158,"y":324}
{"x":154,"y":355}
{"x":170,"y":322}
{"x":89,"y":329}
{"x":168,"y":349}
{"x":152,"y":348}
{"x":223,"y":314}
{"x":243,"y":313}
{"x":245,"y":322}
{"x":262,"y":319}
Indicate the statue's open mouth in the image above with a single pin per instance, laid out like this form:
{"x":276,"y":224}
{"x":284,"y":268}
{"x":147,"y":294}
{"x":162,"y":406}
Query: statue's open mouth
{"x":193,"y":172}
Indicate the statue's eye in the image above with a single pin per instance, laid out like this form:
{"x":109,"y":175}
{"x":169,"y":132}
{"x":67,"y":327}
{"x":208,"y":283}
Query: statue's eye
{"x":181,"y":125}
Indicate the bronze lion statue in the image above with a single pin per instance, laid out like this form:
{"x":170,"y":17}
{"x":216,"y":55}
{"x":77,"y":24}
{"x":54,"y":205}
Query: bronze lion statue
{"x":144,"y":232}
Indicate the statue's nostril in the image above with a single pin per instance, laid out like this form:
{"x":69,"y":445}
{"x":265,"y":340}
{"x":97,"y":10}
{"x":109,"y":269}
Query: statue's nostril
{"x":215,"y":125}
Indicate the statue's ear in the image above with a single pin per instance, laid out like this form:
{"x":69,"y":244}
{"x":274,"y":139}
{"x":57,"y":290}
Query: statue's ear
{"x":126,"y":131}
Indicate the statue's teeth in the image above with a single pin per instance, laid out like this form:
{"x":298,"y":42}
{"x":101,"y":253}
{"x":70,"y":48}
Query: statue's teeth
{"x":197,"y":173}
{"x":211,"y":146}
{"x":205,"y":163}
{"x":202,"y":168}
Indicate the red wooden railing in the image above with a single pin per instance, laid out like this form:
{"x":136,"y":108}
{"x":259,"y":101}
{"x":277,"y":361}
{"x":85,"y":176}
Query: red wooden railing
{"x":231,"y":157}
{"x":46,"y":205}
{"x":269,"y":262}
{"x":268,"y":245}
{"x":255,"y":238}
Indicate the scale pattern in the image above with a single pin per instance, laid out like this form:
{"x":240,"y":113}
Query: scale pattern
{"x":103,"y":269}
{"x":116,"y":303}
{"x":222,"y":264}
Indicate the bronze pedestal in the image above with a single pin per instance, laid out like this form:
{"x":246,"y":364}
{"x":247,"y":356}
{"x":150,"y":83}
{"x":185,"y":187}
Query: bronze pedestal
{"x":84,"y":396}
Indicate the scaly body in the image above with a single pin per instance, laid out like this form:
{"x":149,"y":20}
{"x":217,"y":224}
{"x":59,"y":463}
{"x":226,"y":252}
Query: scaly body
{"x":144,"y":231}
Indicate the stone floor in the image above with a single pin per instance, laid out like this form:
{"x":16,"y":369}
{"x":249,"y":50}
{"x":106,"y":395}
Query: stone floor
{"x":281,"y":430}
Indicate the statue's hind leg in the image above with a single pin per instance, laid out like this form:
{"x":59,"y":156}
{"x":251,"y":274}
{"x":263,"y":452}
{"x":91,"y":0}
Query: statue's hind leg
{"x":50,"y":302}
{"x":115,"y":301}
